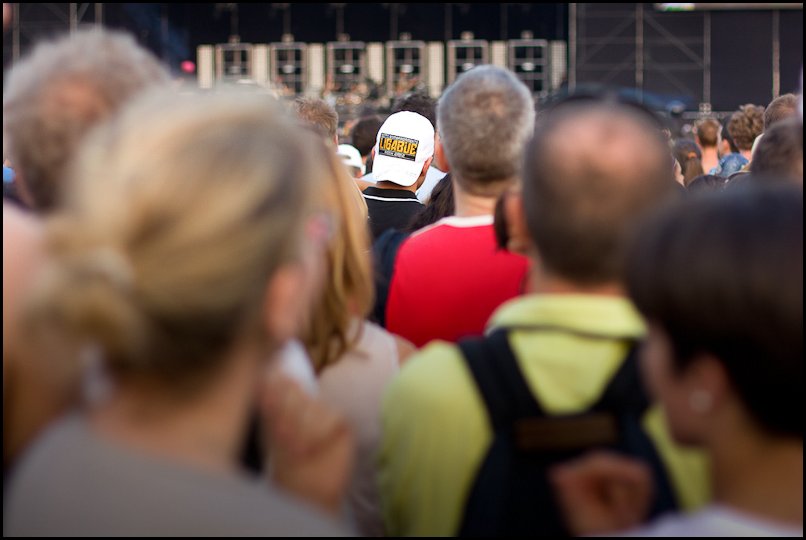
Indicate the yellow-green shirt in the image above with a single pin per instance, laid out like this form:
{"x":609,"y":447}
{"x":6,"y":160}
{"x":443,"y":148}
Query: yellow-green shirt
{"x":436,"y":431}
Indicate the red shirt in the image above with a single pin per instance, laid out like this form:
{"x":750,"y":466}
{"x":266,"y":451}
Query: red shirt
{"x":449,"y":279}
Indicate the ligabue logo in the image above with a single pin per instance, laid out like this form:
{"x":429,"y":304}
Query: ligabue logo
{"x":398,"y":147}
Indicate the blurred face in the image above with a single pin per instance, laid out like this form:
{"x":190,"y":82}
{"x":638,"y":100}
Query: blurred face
{"x":676,"y":392}
{"x":319,"y":231}
{"x":292,"y":290}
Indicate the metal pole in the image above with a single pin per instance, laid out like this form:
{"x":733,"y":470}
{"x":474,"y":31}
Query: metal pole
{"x":73,"y":17}
{"x":99,"y":15}
{"x":776,"y":54}
{"x":234,"y":22}
{"x":164,"y":32}
{"x":639,"y":50}
{"x":572,"y":47}
{"x":504,"y":22}
{"x":15,"y":32}
{"x":393,"y":11}
{"x":706,"y":76}
{"x":448,"y":22}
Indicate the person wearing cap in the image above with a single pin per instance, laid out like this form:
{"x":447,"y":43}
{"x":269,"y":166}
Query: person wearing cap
{"x":404,"y":149}
{"x":422,"y":103}
{"x":351,"y":157}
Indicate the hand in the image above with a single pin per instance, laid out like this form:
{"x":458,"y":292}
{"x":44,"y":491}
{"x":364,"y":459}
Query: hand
{"x":311,"y":447}
{"x":602,"y":492}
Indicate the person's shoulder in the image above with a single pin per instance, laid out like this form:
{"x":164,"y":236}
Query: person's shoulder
{"x":434,"y":378}
{"x":428,"y":237}
{"x":271,"y":512}
{"x":713,"y":521}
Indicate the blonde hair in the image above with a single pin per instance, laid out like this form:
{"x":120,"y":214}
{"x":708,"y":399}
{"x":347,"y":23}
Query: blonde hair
{"x":183,"y":210}
{"x":54,"y":97}
{"x":349,"y":287}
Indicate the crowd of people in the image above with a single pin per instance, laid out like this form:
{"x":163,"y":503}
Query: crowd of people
{"x":471,"y":317}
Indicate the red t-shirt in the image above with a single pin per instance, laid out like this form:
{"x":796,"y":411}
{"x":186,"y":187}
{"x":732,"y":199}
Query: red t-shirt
{"x":448,"y":280}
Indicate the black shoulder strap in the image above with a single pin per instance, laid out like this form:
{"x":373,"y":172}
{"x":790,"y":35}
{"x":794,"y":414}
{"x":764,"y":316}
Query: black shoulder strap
{"x":625,"y":393}
{"x":499,"y":380}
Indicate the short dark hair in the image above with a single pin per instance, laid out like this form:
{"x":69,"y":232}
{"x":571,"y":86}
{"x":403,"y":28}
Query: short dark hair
{"x":780,"y":108}
{"x":726,"y":136}
{"x":722,"y":274}
{"x":580,"y":208}
{"x":365,"y":132}
{"x":780,"y":151}
{"x":318,"y":113}
{"x":706,"y":183}
{"x":440,"y":205}
{"x":419,"y":103}
{"x":745,"y":125}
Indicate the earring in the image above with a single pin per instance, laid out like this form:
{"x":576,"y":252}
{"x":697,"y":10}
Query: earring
{"x":700,"y":401}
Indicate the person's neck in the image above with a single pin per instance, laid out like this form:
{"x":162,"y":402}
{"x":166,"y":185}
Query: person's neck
{"x":710,"y":156}
{"x":385,"y":184}
{"x":471,"y":205}
{"x":758,"y":474}
{"x":542,"y":281}
{"x":205,"y":431}
{"x":747,"y":154}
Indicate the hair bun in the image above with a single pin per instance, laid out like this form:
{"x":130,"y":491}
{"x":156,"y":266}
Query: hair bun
{"x":112,"y":265}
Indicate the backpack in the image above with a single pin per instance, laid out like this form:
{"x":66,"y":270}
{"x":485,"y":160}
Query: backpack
{"x":511,"y":494}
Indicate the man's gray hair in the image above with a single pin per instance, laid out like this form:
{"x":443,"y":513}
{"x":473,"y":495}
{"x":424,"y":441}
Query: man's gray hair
{"x":485,"y":119}
{"x":55,"y":96}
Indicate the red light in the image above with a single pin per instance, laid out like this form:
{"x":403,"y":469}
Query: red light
{"x":188,"y":67}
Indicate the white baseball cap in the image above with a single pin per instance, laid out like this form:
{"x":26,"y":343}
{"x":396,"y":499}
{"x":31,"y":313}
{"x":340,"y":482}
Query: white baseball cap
{"x":351,"y":157}
{"x":404,"y":143}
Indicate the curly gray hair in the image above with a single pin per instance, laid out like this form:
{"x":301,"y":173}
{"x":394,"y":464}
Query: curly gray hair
{"x":55,"y":96}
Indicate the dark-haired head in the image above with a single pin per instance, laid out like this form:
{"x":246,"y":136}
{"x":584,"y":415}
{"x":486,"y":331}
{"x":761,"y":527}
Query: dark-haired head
{"x":720,"y":277}
{"x":706,"y":183}
{"x":364,"y":134}
{"x":419,"y":103}
{"x":689,"y":156}
{"x":440,"y":205}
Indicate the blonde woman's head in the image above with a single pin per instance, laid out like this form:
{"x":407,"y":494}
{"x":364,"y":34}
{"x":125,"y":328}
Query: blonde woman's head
{"x":184,"y":235}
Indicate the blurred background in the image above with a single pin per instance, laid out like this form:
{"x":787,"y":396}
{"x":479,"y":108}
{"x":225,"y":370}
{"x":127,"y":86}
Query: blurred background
{"x":684,"y":59}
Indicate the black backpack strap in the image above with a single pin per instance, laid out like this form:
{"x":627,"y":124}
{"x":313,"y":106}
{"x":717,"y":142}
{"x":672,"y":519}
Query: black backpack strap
{"x":626,"y":397}
{"x":625,"y":392}
{"x":499,"y":379}
{"x":499,"y":491}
